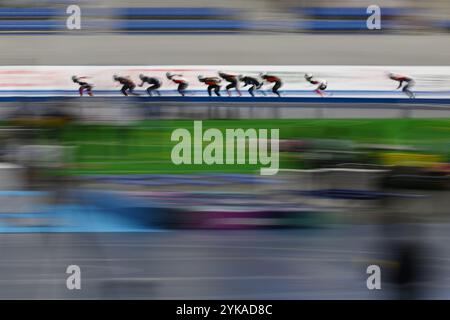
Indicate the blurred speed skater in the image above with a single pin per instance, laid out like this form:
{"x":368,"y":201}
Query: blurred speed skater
{"x":321,"y":84}
{"x":213,"y":84}
{"x":154,"y":83}
{"x":84,"y":86}
{"x":180,"y":81}
{"x":253,"y":83}
{"x":402,"y":79}
{"x":127,"y":85}
{"x":233,"y":82}
{"x":272,"y":79}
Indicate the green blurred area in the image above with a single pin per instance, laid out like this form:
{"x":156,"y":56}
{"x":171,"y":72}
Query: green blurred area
{"x":146,"y":147}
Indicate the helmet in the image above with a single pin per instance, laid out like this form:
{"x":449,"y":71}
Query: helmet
{"x":141,"y":76}
{"x":200,"y":77}
{"x":390,"y":74}
{"x":308,"y":76}
{"x":169,"y":75}
{"x":115,"y":77}
{"x":74,"y":78}
{"x":263,"y":74}
{"x":240,"y":77}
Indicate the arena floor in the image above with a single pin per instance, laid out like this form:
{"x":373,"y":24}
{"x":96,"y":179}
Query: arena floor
{"x":216,"y":49}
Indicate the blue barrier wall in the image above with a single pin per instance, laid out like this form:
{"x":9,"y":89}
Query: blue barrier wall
{"x":180,"y":19}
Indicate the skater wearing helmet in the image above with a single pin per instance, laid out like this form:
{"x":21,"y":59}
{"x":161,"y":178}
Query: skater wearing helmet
{"x":233,"y":82}
{"x":84,"y":86}
{"x":272,"y":79}
{"x":127,"y":85}
{"x":213,"y":84}
{"x":321,"y":84}
{"x":404,"y":79}
{"x":252,"y":82}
